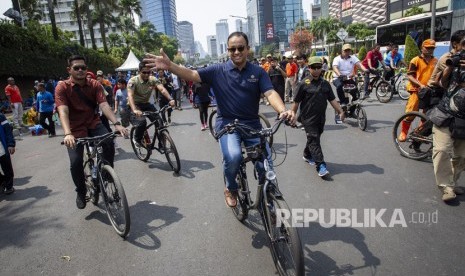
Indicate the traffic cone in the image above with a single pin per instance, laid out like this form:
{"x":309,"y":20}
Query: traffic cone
{"x":403,"y":134}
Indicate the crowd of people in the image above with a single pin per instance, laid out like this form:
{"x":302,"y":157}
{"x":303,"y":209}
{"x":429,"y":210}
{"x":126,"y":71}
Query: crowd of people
{"x":87,"y":103}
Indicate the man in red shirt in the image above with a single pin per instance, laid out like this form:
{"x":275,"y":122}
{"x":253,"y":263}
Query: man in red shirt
{"x":371,"y":62}
{"x":14,"y":97}
{"x":78,"y":99}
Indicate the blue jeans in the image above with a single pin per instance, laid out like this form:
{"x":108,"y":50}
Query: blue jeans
{"x":230,"y":145}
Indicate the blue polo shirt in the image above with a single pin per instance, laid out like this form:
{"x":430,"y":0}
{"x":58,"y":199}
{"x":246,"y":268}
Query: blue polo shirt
{"x":396,"y":59}
{"x":237,"y":92}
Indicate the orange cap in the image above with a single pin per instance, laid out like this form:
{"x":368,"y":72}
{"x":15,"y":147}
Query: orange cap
{"x":429,"y":43}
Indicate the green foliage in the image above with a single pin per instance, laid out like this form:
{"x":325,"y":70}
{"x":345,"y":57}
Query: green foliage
{"x":267,"y":49}
{"x":332,"y":56}
{"x":313,"y":53}
{"x":178,"y":59}
{"x":414,"y":11}
{"x":362,"y":53}
{"x":411,"y":49}
{"x":32,"y":51}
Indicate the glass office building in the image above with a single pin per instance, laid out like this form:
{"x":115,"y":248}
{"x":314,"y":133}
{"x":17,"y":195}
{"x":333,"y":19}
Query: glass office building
{"x":162,"y":14}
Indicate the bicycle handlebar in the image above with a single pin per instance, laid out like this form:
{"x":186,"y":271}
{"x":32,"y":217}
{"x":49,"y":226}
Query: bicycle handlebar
{"x":163,"y":109}
{"x":247,"y":130}
{"x":85,"y":140}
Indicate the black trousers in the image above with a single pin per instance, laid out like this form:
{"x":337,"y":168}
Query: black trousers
{"x":313,"y":147}
{"x":140,"y":122}
{"x":50,"y":127}
{"x":340,"y":93}
{"x":203,"y":110}
{"x":7,"y":167}
{"x":76,"y":157}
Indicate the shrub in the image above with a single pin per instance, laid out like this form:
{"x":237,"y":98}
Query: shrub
{"x":411,"y":49}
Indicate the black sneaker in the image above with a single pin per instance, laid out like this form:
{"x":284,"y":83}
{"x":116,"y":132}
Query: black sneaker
{"x":81,"y":201}
{"x":9,"y":191}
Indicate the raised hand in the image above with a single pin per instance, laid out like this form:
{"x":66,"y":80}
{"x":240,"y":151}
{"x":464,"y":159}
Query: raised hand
{"x":157,"y":62}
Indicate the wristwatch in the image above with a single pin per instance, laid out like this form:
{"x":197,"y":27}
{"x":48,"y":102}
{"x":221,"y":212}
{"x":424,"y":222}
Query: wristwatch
{"x":117,"y":123}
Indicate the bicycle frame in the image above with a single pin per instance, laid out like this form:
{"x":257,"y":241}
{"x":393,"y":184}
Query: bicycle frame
{"x":159,"y":127}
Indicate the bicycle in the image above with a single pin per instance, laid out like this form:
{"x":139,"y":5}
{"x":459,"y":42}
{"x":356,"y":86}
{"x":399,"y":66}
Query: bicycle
{"x":419,"y":142}
{"x":398,"y":85}
{"x":212,"y":119}
{"x":165,"y":146}
{"x":355,"y":108}
{"x":285,"y":245}
{"x":100,"y":177}
{"x":377,"y":82}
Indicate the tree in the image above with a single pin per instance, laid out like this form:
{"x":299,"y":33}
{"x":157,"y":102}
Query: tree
{"x":51,"y":14}
{"x":411,"y":49}
{"x":76,"y":12}
{"x":129,"y":7}
{"x":103,"y":17}
{"x":323,"y":26}
{"x":178,"y":59}
{"x":362,"y":53}
{"x":414,"y":11}
{"x":301,"y":41}
{"x":115,"y":40}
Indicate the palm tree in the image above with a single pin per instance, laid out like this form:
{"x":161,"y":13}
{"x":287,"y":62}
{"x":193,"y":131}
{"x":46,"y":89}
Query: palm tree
{"x":129,"y":7}
{"x":127,"y":26}
{"x":85,"y":6}
{"x":78,"y":15}
{"x":103,"y":17}
{"x":51,"y":13}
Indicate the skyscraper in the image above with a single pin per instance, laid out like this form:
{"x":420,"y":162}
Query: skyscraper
{"x":186,"y":37}
{"x":273,"y":21}
{"x":162,"y":14}
{"x":222,"y":33}
{"x":212,"y":47}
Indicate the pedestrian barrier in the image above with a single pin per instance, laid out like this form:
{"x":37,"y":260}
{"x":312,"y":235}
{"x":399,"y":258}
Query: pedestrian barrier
{"x":328,"y":75}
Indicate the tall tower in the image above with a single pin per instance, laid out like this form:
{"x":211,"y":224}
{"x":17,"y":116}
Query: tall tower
{"x":162,"y":14}
{"x":186,"y":37}
{"x":222,"y":33}
{"x":212,"y":46}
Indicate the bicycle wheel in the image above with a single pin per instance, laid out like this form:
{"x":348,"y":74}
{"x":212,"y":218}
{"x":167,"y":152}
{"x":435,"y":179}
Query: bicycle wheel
{"x":384,"y":92}
{"x":362,"y":119}
{"x":91,"y":189}
{"x":401,"y":87}
{"x":170,"y":151}
{"x":419,"y":141}
{"x":143,"y":153}
{"x":211,"y":123}
{"x":285,"y":245}
{"x":241,"y":210}
{"x":115,"y":201}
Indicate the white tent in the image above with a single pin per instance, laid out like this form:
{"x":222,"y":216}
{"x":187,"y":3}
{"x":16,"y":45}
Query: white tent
{"x":131,"y":63}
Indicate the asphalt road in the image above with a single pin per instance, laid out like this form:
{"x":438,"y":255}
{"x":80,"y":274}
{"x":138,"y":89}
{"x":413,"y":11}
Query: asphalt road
{"x":181,"y":226}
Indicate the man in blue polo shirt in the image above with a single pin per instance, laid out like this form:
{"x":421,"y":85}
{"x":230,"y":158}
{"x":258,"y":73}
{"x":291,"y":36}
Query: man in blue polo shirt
{"x":238,"y":85}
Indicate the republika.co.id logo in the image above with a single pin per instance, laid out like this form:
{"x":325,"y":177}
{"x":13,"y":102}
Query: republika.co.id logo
{"x":341,"y":217}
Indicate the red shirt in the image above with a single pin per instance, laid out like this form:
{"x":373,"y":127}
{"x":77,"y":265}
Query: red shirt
{"x":14,"y":93}
{"x":81,"y":116}
{"x":375,"y":58}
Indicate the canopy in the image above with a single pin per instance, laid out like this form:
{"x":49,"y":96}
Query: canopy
{"x":131,"y":63}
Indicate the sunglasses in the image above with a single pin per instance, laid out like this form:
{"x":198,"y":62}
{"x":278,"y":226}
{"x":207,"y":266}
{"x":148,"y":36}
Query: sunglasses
{"x":82,"y":67}
{"x":315,"y":67}
{"x":233,"y":49}
{"x":145,"y":72}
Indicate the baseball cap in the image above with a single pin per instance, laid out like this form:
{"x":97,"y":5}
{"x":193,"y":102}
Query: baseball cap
{"x":290,"y":56}
{"x":346,"y":47}
{"x":262,"y":58}
{"x":314,"y":60}
{"x":10,"y":79}
{"x":429,"y":43}
{"x":269,"y":55}
{"x":99,"y":73}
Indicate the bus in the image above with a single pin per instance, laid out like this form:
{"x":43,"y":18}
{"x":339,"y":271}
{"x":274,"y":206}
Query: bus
{"x":418,"y":27}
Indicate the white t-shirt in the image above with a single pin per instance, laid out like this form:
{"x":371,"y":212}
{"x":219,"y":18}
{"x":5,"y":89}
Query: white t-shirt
{"x":345,"y":66}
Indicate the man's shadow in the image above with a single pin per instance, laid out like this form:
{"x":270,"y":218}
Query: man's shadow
{"x":318,"y":263}
{"x":143,"y":215}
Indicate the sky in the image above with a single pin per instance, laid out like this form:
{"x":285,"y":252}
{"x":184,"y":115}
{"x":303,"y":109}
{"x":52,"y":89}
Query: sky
{"x":205,"y":14}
